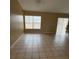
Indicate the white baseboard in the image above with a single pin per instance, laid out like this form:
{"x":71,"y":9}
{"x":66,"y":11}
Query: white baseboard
{"x":16,"y":41}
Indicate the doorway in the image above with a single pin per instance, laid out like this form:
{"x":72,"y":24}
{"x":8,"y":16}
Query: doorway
{"x":61,"y":26}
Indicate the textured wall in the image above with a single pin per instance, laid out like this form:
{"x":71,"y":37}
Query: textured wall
{"x":49,"y":20}
{"x":16,"y":21}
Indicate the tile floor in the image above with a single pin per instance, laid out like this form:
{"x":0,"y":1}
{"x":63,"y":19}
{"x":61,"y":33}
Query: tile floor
{"x":41,"y":46}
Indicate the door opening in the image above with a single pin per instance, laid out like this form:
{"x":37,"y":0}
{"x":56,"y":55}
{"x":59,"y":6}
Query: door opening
{"x":61,"y":26}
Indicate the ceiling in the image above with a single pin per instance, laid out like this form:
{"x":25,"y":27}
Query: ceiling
{"x":58,"y":6}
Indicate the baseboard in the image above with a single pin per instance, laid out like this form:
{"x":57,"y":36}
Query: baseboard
{"x":16,"y":41}
{"x":48,"y":33}
{"x":40,"y":32}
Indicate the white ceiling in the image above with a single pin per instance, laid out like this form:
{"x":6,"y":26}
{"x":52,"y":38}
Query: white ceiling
{"x":59,"y":6}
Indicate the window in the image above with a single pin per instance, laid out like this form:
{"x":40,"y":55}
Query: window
{"x":32,"y":22}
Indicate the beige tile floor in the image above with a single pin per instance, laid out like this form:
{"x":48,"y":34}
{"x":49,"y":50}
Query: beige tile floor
{"x":41,"y":46}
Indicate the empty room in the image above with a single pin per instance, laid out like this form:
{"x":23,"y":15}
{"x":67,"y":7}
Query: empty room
{"x":39,"y":29}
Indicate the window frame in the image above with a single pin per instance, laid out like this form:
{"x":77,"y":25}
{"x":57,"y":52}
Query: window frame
{"x":33,"y":22}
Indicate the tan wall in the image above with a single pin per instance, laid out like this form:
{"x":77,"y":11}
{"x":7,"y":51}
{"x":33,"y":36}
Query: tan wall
{"x":49,"y":20}
{"x":16,"y":21}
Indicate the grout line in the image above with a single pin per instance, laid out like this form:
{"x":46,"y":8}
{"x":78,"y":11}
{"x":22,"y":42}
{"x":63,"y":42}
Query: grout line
{"x":16,"y":41}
